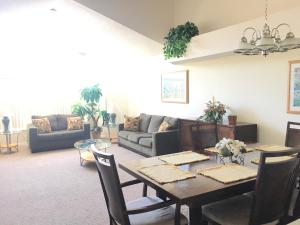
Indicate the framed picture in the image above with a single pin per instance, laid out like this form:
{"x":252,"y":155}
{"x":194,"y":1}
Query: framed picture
{"x":294,"y":88}
{"x":175,"y":87}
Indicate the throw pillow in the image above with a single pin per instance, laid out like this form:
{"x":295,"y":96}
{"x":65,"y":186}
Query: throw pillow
{"x":131,"y":123}
{"x":42,"y":125}
{"x":74,"y":123}
{"x":164,"y":126}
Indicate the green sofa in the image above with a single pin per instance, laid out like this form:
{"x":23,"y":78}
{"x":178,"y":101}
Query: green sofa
{"x":148,"y":141}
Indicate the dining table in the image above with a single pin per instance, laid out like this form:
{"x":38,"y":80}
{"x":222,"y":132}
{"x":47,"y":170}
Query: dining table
{"x":194,"y":192}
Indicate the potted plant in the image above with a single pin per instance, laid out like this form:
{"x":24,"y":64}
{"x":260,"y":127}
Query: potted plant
{"x":233,"y":149}
{"x":177,"y":39}
{"x":89,"y":107}
{"x":214,"y":112}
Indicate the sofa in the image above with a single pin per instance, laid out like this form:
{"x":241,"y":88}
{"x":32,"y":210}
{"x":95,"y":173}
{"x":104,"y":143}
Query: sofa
{"x":59,"y":137}
{"x":147,"y":141}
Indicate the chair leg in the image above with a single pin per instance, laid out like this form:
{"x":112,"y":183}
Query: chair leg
{"x":145,"y":190}
{"x":177,"y":214}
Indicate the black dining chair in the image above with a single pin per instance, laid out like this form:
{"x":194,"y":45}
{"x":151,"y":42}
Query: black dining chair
{"x":143,"y":211}
{"x":269,"y":202}
{"x":292,"y":138}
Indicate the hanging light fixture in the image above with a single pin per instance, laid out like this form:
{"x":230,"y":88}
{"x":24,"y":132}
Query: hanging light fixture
{"x":269,"y":41}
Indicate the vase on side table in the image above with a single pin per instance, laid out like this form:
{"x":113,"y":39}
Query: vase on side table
{"x":5,"y":121}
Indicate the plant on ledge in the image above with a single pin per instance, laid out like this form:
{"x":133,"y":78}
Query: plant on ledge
{"x":214,"y":112}
{"x":90,"y":106}
{"x":177,"y":39}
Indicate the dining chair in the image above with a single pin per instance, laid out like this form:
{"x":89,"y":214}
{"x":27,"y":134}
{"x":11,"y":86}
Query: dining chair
{"x":292,"y":138}
{"x":269,"y":202}
{"x":204,"y":135}
{"x":143,"y":211}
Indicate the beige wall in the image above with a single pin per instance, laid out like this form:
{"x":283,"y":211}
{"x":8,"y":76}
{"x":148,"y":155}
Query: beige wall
{"x":150,"y":18}
{"x":254,"y":87}
{"x":210,"y":15}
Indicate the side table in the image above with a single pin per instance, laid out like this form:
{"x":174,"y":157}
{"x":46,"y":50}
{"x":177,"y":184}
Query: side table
{"x":11,"y":143}
{"x":83,"y":146}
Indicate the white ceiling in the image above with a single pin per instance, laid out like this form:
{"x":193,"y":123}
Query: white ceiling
{"x":154,"y":18}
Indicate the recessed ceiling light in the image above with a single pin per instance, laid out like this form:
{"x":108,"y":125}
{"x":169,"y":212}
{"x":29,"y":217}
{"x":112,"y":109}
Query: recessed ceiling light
{"x":53,"y":9}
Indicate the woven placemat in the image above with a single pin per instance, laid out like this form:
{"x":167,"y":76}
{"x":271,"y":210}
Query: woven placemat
{"x":272,"y":159}
{"x":268,"y":148}
{"x":228,"y":173}
{"x":214,"y":150}
{"x":183,"y":158}
{"x":165,"y":173}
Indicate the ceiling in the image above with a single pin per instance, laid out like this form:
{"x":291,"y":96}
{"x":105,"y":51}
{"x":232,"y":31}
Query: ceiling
{"x":154,"y":18}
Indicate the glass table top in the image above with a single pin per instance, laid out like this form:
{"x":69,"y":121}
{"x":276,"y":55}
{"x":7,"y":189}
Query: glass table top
{"x":85,"y":144}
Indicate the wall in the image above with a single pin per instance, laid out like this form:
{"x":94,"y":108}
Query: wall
{"x":150,"y":18}
{"x":253,"y":87}
{"x":210,"y":15}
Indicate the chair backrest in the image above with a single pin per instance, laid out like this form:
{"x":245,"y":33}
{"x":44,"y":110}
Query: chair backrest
{"x":274,"y":184}
{"x":111,"y":186}
{"x":292,"y":138}
{"x":204,"y":135}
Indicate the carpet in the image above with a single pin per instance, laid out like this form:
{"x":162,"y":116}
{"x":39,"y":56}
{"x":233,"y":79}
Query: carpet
{"x":51,"y":188}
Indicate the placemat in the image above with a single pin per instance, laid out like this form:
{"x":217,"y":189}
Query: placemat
{"x":268,"y":148}
{"x":271,"y":159}
{"x":165,"y":173}
{"x":214,"y":150}
{"x":183,"y":158}
{"x":228,"y":173}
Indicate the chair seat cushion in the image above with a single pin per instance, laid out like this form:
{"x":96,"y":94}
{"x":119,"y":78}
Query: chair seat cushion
{"x":135,"y":136}
{"x":232,"y":211}
{"x":164,"y":216}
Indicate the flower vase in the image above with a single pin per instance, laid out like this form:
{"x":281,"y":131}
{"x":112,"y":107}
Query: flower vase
{"x":5,"y":121}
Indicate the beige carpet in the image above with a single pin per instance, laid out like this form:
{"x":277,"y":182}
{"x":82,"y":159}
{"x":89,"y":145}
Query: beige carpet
{"x":51,"y":188}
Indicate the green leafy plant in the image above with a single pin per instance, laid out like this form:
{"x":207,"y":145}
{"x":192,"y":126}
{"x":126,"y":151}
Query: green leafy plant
{"x":214,"y":112}
{"x":178,"y":38}
{"x":89,"y":106}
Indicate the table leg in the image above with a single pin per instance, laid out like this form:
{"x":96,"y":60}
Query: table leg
{"x":161,"y":195}
{"x":195,"y":212}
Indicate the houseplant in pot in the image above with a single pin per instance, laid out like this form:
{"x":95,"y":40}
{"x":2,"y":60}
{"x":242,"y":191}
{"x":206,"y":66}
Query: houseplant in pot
{"x":214,"y":112}
{"x":89,"y":108}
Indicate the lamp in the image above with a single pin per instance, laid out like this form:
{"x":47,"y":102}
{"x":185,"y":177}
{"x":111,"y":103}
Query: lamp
{"x":269,"y":41}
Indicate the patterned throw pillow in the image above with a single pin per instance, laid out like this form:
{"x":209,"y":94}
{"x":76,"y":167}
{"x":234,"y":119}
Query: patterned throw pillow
{"x":164,"y":126}
{"x":42,"y":125}
{"x":131,"y":123}
{"x":74,"y":123}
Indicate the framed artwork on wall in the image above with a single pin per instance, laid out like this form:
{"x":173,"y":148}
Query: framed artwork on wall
{"x":175,"y":87}
{"x":294,"y":87}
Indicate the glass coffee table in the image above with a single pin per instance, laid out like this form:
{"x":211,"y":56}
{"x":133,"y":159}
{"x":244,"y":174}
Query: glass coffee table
{"x":85,"y":153}
{"x":11,"y":144}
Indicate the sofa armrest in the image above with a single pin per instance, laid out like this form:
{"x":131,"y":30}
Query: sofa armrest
{"x":86,"y":126}
{"x":31,"y":130}
{"x":121,"y":126}
{"x":165,"y":142}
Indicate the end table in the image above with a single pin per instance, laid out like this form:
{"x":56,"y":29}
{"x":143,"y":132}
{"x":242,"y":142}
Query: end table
{"x":11,"y":144}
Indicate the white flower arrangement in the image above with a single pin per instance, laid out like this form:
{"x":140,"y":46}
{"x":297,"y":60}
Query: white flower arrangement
{"x":229,"y":147}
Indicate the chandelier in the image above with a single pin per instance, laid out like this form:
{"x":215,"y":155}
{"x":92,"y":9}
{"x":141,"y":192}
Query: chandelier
{"x":269,"y":41}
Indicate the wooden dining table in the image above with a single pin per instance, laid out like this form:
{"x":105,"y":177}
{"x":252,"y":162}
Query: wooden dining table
{"x":193,"y":192}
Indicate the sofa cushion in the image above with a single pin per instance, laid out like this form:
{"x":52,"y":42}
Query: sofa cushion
{"x":124,"y":134}
{"x":144,"y":122}
{"x":52,"y":120}
{"x":74,"y":123}
{"x":135,"y":136}
{"x":42,"y":125}
{"x":62,"y":123}
{"x":172,"y":121}
{"x":61,"y":135}
{"x":147,"y":142}
{"x":131,"y":123}
{"x":164,"y":126}
{"x":155,"y":123}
